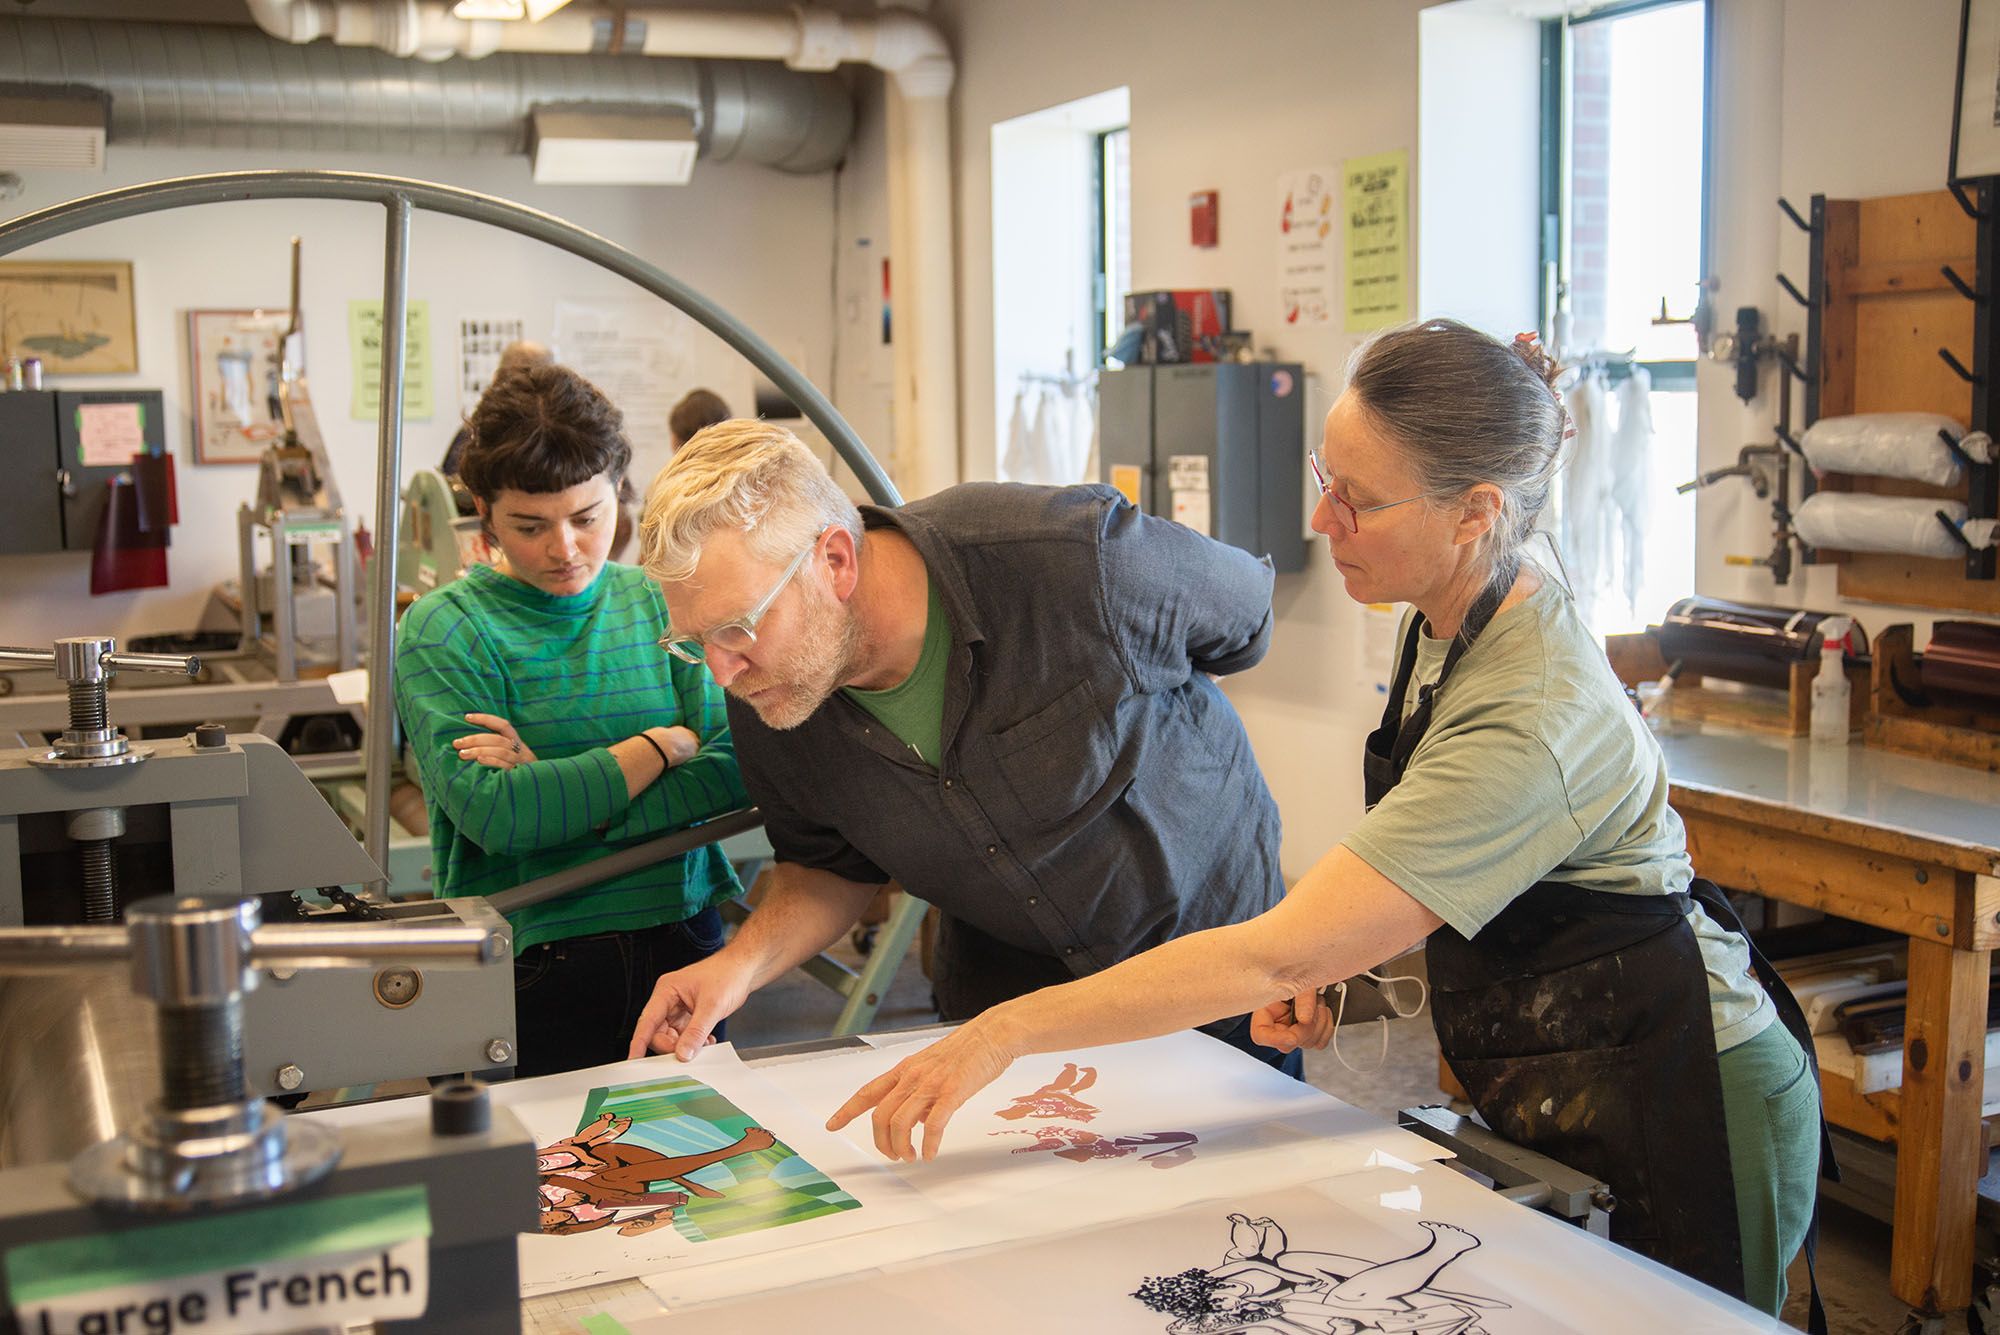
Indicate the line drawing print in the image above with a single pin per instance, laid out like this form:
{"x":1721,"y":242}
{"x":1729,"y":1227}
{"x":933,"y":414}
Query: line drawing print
{"x":1057,"y":1099}
{"x":1169,"y":1149}
{"x":675,"y":1152}
{"x":1265,"y":1287}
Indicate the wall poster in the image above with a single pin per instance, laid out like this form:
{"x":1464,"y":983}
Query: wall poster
{"x":76,"y":315}
{"x":235,"y":363}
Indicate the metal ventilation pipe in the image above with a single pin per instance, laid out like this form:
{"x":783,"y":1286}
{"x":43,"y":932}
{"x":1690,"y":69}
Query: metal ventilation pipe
{"x":210,"y":86}
{"x":905,"y":45}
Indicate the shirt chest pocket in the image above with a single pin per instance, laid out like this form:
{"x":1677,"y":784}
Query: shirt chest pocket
{"x":1057,"y":762}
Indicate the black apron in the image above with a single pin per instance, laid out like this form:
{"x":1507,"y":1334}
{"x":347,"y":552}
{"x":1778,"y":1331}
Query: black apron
{"x":1579,"y":1023}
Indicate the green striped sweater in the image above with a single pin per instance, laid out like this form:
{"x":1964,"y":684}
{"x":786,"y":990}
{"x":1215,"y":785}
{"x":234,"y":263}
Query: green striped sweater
{"x":573,"y":675}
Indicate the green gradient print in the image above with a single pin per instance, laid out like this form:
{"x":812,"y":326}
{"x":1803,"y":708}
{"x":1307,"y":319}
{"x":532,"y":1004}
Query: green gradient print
{"x":758,"y":1189}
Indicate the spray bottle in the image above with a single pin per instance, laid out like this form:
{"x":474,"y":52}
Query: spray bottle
{"x":1830,"y":715}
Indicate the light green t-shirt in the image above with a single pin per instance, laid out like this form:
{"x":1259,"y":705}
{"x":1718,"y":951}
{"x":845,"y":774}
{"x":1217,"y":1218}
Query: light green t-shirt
{"x":913,"y":709}
{"x":1536,"y":767}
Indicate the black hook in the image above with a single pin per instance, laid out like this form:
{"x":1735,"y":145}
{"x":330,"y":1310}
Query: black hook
{"x":1958,"y":366}
{"x":1971,"y":209}
{"x":1786,"y":439}
{"x":1793,"y":214}
{"x":1951,"y":527}
{"x":1789,"y":362}
{"x":1957,"y":450}
{"x":1795,"y":294}
{"x":1965,"y":289}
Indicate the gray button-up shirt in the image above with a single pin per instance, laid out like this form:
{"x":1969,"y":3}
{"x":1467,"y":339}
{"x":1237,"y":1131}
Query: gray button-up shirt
{"x":1097,"y":794}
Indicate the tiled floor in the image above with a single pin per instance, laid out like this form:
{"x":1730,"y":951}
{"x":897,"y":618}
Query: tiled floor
{"x":1854,"y":1249}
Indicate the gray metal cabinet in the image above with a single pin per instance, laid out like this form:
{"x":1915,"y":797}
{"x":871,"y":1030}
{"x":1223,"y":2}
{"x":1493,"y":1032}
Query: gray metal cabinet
{"x":1218,"y":446}
{"x":50,"y":495}
{"x":30,"y":494}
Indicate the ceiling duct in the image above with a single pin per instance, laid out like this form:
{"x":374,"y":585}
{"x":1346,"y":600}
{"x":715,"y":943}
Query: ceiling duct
{"x":215,"y":86}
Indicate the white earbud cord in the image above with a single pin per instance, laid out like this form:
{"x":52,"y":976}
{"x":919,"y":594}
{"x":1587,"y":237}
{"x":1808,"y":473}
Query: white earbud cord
{"x":1340,"y":1009}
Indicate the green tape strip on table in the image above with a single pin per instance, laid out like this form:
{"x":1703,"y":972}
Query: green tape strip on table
{"x":41,"y":1271}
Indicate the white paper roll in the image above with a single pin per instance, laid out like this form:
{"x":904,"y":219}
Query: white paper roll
{"x":1885,"y":445}
{"x":1852,"y":522}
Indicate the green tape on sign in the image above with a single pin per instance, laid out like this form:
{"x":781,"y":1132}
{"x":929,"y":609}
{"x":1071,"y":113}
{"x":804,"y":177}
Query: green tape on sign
{"x":597,"y":1323}
{"x":42,"y":1271}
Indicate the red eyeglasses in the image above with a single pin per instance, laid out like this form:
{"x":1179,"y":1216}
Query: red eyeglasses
{"x":1343,"y":509}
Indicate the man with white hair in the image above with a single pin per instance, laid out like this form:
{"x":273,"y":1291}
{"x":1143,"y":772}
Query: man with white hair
{"x":1000,"y":696}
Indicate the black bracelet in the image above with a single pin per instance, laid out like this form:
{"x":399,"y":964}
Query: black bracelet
{"x":647,"y":738}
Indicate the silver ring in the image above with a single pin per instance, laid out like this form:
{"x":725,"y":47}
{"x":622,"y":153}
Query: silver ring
{"x":516,"y":744}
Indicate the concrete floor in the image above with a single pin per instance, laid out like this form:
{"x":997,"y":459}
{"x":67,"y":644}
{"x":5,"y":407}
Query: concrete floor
{"x":1853,"y":1248}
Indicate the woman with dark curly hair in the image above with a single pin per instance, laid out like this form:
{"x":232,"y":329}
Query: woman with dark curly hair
{"x":549,"y":729}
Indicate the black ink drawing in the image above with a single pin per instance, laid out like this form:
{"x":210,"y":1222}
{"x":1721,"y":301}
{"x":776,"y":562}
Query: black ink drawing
{"x":1265,"y":1287}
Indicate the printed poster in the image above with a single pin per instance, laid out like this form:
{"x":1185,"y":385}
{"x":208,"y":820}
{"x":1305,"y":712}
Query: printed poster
{"x":1376,"y":193}
{"x":1307,"y":225}
{"x":364,"y":334}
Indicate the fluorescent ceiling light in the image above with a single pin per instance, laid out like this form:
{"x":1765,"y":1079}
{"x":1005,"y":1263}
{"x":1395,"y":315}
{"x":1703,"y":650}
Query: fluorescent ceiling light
{"x":57,"y":128}
{"x":583,"y":146}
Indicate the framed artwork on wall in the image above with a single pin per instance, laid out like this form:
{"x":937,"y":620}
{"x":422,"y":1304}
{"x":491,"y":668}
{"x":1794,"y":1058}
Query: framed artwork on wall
{"x":1975,"y":121}
{"x":76,"y":315}
{"x":234,"y":361}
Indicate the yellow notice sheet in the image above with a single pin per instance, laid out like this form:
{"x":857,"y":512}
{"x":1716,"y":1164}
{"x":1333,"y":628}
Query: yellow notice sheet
{"x":364,"y":336}
{"x":1376,"y":192}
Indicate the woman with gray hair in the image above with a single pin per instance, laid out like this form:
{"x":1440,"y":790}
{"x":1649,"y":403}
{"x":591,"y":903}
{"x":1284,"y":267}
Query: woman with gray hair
{"x":1598,"y":1003}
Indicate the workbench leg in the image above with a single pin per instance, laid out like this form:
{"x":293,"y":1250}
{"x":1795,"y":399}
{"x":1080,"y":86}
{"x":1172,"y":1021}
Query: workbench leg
{"x":872,"y":983}
{"x":1939,"y":1159}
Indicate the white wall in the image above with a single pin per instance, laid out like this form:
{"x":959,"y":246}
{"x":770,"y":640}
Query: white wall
{"x":1479,"y":163}
{"x":1846,"y":97}
{"x":759,"y":242}
{"x":1223,"y":99}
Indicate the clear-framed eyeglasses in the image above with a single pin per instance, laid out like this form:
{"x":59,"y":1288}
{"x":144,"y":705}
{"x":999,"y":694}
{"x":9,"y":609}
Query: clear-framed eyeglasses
{"x":1343,"y":509}
{"x":736,"y":636}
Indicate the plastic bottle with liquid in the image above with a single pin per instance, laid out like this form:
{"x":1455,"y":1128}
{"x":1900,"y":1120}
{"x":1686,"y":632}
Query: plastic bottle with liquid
{"x":1830,"y":713}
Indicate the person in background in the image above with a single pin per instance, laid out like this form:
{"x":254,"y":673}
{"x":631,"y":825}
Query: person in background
{"x":697,"y":409}
{"x":1000,"y":696}
{"x":1599,"y":1003}
{"x":549,"y":729}
{"x":521,"y":352}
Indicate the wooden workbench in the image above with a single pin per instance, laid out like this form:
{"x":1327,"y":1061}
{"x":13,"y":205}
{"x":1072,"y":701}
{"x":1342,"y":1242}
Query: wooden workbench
{"x":1907,"y":844}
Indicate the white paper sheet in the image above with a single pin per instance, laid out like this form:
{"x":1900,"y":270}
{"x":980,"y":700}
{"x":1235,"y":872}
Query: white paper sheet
{"x":1256,"y":1130}
{"x":1415,"y":1249}
{"x":552,"y":1108}
{"x":1122,"y":1114}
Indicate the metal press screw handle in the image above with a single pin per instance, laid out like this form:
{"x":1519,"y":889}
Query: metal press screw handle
{"x":89,"y":658}
{"x":187,"y":665}
{"x":86,"y":663}
{"x":276,"y":946}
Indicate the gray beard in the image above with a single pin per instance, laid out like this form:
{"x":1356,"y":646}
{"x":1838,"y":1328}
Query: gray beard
{"x":832,"y":658}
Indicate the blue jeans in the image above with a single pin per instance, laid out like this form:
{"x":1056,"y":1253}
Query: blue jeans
{"x":576,"y":1002}
{"x":1237,"y":1036}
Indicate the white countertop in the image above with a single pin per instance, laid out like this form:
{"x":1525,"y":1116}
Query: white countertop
{"x":1925,"y":798}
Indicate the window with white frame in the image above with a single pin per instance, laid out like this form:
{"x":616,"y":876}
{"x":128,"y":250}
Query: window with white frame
{"x":1623,"y":192}
{"x":1061,"y":267}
